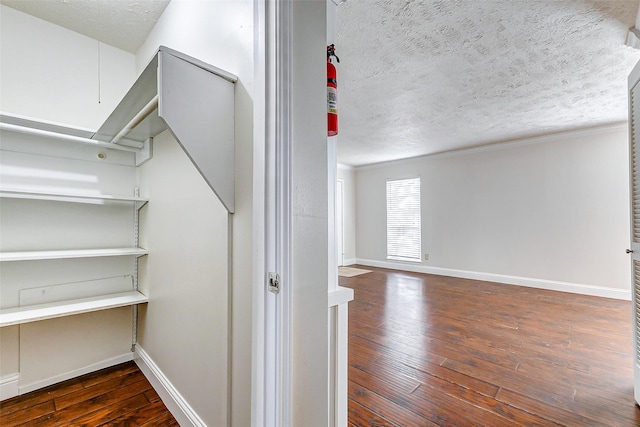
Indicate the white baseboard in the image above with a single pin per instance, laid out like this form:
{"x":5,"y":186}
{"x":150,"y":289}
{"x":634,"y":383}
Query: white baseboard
{"x":26,"y":388}
{"x":173,"y":400}
{"x":348,"y":262}
{"x":575,"y":288}
{"x":9,"y":386}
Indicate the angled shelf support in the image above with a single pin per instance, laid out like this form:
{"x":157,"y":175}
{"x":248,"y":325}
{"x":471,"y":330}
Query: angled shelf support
{"x":192,"y":99}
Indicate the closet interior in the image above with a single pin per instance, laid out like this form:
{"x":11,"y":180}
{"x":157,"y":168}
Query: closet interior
{"x":71,"y":210}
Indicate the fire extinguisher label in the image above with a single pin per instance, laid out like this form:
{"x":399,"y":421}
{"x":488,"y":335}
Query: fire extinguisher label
{"x":332,"y":100}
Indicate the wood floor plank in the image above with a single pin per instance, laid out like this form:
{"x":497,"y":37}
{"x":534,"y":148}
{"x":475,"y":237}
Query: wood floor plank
{"x":22,"y":403}
{"x":111,"y":412}
{"x":28,"y":414}
{"x":439,"y":407}
{"x":384,"y":373}
{"x":152,"y":395}
{"x":387,"y":343}
{"x":163,"y":420}
{"x":79,"y":409}
{"x":359,"y":416}
{"x":551,"y":412}
{"x":147,"y":414}
{"x":111,"y":395}
{"x":98,"y":389}
{"x":435,"y":385}
{"x":107,"y":374}
{"x":391,"y":410}
{"x":356,"y":344}
{"x":515,"y":355}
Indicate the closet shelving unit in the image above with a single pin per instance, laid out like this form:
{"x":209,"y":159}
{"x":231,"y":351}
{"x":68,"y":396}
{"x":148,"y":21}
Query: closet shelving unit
{"x":36,"y":312}
{"x":157,"y":101}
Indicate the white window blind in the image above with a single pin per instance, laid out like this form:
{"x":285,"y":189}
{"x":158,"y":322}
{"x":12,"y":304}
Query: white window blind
{"x":403,"y":219}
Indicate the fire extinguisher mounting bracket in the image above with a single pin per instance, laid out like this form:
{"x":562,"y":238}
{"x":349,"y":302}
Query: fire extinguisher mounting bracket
{"x":331,"y":51}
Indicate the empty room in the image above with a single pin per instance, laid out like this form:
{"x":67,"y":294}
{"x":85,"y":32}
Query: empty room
{"x":484,"y":172}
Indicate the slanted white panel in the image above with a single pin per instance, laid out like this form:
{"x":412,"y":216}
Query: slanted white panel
{"x":198,"y":108}
{"x":196,"y":102}
{"x":143,"y":90}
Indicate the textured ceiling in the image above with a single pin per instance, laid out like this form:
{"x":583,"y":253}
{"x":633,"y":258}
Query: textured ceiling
{"x":421,"y":77}
{"x":124,"y":24}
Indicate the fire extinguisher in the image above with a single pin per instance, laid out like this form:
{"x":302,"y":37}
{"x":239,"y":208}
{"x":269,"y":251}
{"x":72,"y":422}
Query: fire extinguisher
{"x":332,"y":92}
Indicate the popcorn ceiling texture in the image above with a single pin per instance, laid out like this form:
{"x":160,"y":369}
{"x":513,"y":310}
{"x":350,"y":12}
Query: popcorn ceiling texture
{"x":421,"y":77}
{"x":124,"y":24}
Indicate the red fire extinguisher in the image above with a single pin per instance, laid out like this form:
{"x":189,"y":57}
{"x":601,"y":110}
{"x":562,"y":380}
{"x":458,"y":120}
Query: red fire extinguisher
{"x":332,"y":92}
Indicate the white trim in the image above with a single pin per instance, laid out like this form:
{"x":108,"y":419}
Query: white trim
{"x":339,"y":362}
{"x":345,"y":167}
{"x":553,"y":285}
{"x":171,"y":397}
{"x":9,"y":386}
{"x":501,"y":145}
{"x":342,"y":367}
{"x":335,"y":241}
{"x":350,"y":261}
{"x":261,"y":116}
{"x":271,"y":380}
{"x":340,"y":295}
{"x":26,"y":388}
{"x":283,"y":238}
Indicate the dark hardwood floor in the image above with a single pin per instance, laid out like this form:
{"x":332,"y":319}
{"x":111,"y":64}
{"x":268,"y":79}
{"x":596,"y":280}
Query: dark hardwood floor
{"x":429,"y":350}
{"x":424,"y":350}
{"x":116,"y":396}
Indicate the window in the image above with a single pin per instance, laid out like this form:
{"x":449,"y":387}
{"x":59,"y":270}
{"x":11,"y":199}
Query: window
{"x":403,"y":220}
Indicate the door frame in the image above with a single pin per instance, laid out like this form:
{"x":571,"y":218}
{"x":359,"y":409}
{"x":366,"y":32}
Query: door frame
{"x":288,"y":69}
{"x":340,"y":221}
{"x":271,"y":341}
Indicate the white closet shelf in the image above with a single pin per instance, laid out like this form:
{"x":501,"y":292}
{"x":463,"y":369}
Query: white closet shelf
{"x":69,"y":197}
{"x":32,"y":313}
{"x":65,"y":254}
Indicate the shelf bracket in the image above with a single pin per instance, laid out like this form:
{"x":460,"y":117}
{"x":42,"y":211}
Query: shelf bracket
{"x":134,"y":327}
{"x":146,"y":153}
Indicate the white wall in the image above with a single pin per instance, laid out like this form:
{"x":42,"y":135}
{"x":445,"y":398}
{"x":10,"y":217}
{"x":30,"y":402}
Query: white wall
{"x":50,"y":73}
{"x":221,"y":34}
{"x":554,"y":209}
{"x":348,"y":175}
{"x":184,"y":327}
{"x":310,"y":222}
